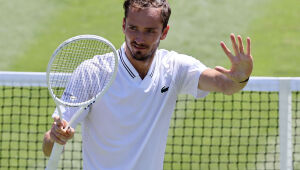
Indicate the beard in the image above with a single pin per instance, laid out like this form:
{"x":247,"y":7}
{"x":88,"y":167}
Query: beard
{"x":138,"y":55}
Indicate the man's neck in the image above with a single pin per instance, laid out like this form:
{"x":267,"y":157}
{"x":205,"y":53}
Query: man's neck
{"x":142,"y":67}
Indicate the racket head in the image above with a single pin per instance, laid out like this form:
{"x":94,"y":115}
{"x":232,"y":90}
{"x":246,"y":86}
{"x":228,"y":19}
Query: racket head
{"x":73,"y":56}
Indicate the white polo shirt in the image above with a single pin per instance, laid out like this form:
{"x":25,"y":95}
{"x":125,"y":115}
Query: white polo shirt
{"x":127,"y":128}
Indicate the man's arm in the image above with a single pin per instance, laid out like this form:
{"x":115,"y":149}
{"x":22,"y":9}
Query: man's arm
{"x":235,"y":79}
{"x":47,"y":144}
{"x":58,"y":133}
{"x":214,"y":81}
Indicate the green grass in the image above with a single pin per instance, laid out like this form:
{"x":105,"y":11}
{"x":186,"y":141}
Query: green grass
{"x":50,"y":23}
{"x":22,"y":21}
{"x":78,"y":17}
{"x":34,"y":30}
{"x":276,"y":36}
{"x":198,"y":27}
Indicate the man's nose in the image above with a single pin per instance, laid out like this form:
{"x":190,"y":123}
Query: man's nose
{"x":140,"y":38}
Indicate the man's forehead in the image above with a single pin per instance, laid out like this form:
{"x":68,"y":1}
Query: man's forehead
{"x":148,"y":13}
{"x":145,"y":9}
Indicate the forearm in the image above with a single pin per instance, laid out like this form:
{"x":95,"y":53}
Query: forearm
{"x":230,"y":87}
{"x":47,"y":144}
{"x":214,"y":81}
{"x":60,"y":133}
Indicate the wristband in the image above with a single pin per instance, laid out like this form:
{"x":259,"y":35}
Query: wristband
{"x":245,"y":80}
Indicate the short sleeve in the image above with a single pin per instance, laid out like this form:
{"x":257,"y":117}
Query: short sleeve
{"x":189,"y":70}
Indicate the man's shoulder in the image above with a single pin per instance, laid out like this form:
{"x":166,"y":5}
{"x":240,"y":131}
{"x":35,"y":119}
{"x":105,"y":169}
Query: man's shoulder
{"x":163,"y":52}
{"x":170,"y":60}
{"x":177,"y":60}
{"x":172,"y":56}
{"x":166,"y":55}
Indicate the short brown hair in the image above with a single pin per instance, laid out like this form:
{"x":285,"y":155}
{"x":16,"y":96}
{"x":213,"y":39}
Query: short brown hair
{"x":163,"y":4}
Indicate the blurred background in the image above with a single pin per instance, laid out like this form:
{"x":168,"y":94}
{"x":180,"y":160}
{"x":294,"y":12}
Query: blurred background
{"x":31,"y":30}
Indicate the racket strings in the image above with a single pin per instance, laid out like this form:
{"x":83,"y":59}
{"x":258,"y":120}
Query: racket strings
{"x":81,"y":70}
{"x":104,"y":78}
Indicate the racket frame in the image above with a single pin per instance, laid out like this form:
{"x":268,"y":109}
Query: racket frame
{"x":68,"y":41}
{"x":57,"y":148}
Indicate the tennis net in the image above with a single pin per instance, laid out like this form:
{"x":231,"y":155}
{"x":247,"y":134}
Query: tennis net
{"x":257,"y":128}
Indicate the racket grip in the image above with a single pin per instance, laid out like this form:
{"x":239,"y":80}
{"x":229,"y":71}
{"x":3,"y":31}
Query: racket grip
{"x":55,"y":156}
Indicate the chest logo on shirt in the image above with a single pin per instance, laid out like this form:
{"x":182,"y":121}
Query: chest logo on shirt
{"x":164,"y":89}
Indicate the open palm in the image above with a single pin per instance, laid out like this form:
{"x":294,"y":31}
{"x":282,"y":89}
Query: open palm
{"x":241,"y":62}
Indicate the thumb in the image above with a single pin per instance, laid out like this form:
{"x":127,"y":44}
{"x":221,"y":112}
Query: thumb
{"x":58,"y":121}
{"x":222,"y":70}
{"x":70,"y":131}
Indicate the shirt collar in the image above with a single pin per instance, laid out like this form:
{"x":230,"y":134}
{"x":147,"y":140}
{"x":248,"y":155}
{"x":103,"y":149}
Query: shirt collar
{"x":129,"y":67}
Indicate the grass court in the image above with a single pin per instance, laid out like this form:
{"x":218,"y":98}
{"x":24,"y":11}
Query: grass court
{"x":218,"y":132}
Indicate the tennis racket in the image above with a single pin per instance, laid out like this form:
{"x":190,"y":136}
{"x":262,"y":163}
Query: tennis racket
{"x":79,"y":72}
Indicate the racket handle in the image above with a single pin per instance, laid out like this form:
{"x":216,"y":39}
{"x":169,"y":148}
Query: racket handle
{"x":55,"y":156}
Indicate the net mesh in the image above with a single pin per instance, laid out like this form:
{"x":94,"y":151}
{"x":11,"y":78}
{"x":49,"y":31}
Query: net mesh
{"x":296,"y":129}
{"x":217,"y":132}
{"x":225,"y":132}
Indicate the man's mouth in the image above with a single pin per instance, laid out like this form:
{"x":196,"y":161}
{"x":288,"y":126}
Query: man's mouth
{"x":139,"y":46}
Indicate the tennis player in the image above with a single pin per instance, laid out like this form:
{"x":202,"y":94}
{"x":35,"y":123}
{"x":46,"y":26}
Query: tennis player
{"x":127,"y":128}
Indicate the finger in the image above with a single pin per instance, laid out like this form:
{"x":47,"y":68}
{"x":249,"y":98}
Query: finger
{"x":55,"y":118}
{"x":248,"y":46}
{"x":62,"y":124}
{"x":57,"y":138}
{"x":70,"y":132}
{"x":222,"y":70}
{"x":227,"y":51}
{"x":234,"y":45}
{"x":65,"y":125}
{"x":58,"y":121}
{"x":241,"y":46}
{"x":58,"y":128}
{"x":62,"y":136}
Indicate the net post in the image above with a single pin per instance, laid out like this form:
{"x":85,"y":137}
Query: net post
{"x":285,"y":124}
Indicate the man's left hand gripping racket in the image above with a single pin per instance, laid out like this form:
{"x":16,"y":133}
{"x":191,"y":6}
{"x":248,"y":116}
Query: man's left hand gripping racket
{"x":79,"y":72}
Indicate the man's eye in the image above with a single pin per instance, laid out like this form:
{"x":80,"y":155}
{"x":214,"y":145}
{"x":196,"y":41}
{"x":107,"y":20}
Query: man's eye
{"x":151,"y":31}
{"x":132,"y":28}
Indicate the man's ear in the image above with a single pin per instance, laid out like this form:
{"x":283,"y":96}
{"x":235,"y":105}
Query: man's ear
{"x":165,"y":32}
{"x":124,"y":24}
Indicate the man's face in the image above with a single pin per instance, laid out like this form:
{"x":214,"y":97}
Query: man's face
{"x":143,"y":29}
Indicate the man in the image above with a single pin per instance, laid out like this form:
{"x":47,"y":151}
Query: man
{"x":128,"y":127}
